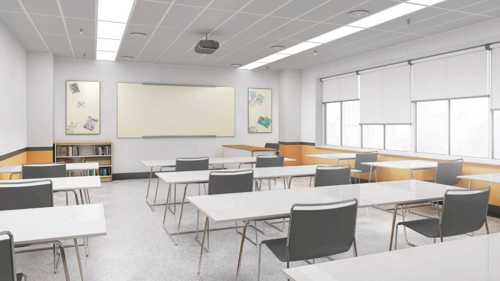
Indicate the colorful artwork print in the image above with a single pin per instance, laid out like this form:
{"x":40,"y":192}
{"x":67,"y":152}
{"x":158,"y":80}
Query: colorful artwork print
{"x":83,"y":108}
{"x":260,"y":110}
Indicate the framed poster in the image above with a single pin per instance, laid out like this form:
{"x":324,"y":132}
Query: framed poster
{"x":260,"y":110}
{"x":83,"y":108}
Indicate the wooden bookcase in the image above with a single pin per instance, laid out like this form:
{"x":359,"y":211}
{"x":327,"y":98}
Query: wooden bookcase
{"x":78,"y":152}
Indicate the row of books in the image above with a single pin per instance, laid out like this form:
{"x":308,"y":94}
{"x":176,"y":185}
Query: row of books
{"x":105,"y":171}
{"x":75,"y":150}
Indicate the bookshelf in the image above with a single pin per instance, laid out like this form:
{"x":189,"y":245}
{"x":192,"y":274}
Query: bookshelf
{"x":78,"y":152}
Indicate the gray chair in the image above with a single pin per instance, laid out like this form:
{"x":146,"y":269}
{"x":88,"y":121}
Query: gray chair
{"x":464,"y":211}
{"x":7,"y":263}
{"x":315,"y":231}
{"x":275,"y":146}
{"x":26,"y":194}
{"x":266,"y":161}
{"x":447,"y":172}
{"x":332,"y":175}
{"x":361,"y":169}
{"x":230,"y":181}
{"x":37,"y":171}
{"x":183,"y":165}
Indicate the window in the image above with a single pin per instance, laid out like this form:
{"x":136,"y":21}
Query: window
{"x":496,"y":134}
{"x":469,"y":127}
{"x":373,"y":136}
{"x":351,"y":130}
{"x":333,"y":120}
{"x":398,"y":137}
{"x":432,"y":126}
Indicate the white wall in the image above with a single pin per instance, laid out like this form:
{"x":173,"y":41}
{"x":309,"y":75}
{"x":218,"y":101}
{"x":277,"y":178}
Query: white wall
{"x":13,"y":131}
{"x":40,"y":99}
{"x":127,"y":153}
{"x":311,"y":113}
{"x":290,"y":88}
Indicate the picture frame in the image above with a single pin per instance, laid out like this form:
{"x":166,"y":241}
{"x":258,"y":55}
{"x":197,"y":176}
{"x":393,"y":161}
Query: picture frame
{"x":83,"y":107}
{"x":260,"y":110}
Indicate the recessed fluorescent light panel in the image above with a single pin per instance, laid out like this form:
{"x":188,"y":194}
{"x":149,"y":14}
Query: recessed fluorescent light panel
{"x":112,"y":17}
{"x":370,"y":21}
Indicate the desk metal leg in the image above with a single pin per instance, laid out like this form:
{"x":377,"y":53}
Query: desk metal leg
{"x":64,"y":261}
{"x":149,"y":183}
{"x":393,"y":225}
{"x":242,"y":243}
{"x":370,"y":174}
{"x":78,"y":258}
{"x":205,"y":230}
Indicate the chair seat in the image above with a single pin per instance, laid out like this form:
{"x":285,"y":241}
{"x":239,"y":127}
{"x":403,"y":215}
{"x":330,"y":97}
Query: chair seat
{"x":279,"y":248}
{"x":427,"y":227}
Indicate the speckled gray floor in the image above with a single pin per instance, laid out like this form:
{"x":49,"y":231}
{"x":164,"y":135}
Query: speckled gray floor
{"x":137,"y":248}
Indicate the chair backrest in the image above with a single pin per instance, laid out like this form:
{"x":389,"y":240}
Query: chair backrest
{"x":464,"y":211}
{"x":230,"y":181}
{"x":7,"y":266}
{"x":37,"y":171}
{"x":26,"y":194}
{"x":332,"y":175}
{"x":264,"y":161}
{"x":364,"y":157}
{"x":191,"y":164}
{"x":320,"y":230}
{"x":273,"y":145}
{"x":448,"y":171}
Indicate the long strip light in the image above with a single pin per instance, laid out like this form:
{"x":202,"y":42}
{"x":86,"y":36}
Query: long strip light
{"x":112,"y":17}
{"x":370,"y":21}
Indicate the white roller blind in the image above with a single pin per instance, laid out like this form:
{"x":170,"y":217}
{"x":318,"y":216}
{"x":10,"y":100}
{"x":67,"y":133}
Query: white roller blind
{"x":451,"y":76}
{"x":340,"y":88}
{"x":385,"y":95}
{"x":495,"y":78}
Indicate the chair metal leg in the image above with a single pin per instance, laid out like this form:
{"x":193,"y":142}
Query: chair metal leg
{"x":242,"y":243}
{"x":205,"y":230}
{"x":157,"y":187}
{"x":149,"y":182}
{"x":182,"y":207}
{"x":487,"y":226}
{"x":396,"y":238}
{"x":259,"y":262}
{"x":355,"y":248}
{"x":78,"y":258}
{"x":393,"y":226}
{"x":64,"y":261}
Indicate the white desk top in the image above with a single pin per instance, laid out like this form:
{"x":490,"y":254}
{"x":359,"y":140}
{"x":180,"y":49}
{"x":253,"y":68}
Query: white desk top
{"x":259,"y":173}
{"x":277,"y":203}
{"x":212,"y":161}
{"x":69,"y":167}
{"x":334,"y":156}
{"x":40,"y":225}
{"x":69,"y":183}
{"x":490,"y":178}
{"x":404,"y":164}
{"x":476,"y":258}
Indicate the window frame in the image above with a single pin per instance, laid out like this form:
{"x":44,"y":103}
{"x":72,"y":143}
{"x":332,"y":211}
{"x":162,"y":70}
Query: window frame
{"x":325,"y":122}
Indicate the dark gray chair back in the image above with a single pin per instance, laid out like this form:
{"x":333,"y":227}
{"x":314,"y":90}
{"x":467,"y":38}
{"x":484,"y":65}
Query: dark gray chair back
{"x":364,"y":157}
{"x":26,"y":194}
{"x":37,"y":171}
{"x":332,"y":175}
{"x":320,"y":230}
{"x":7,"y":266}
{"x":275,"y":146}
{"x":464,"y":211}
{"x":448,"y":171}
{"x":191,"y":164}
{"x":264,"y":161}
{"x":230,"y":181}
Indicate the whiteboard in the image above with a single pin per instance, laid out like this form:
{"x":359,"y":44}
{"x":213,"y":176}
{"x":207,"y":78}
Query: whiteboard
{"x":145,"y":110}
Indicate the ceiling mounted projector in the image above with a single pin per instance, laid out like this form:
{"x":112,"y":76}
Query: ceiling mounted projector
{"x":206,"y":46}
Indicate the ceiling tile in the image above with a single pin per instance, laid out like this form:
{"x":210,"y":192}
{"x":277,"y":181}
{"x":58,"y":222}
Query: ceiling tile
{"x":229,"y":5}
{"x":132,"y":45}
{"x":444,"y":22}
{"x":83,"y":9}
{"x":162,"y":38}
{"x":209,"y":21}
{"x":299,"y":7}
{"x":84,"y":47}
{"x":45,"y":7}
{"x":59,"y":46}
{"x":264,"y":6}
{"x":457,"y":4}
{"x":88,"y":27}
{"x":485,"y":7}
{"x":49,"y":25}
{"x":199,"y":3}
{"x":149,"y":13}
{"x":23,"y":30}
{"x":180,"y":16}
{"x":372,"y":6}
{"x":235,"y":25}
{"x":331,"y":9}
{"x":260,"y":28}
{"x":289,"y":29}
{"x":313,"y":31}
{"x":10,"y":5}
{"x":406,"y":24}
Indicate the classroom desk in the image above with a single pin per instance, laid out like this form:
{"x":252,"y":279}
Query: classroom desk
{"x":158,"y":165}
{"x":475,"y":258}
{"x":257,"y":206}
{"x":410,"y":165}
{"x":333,"y":156}
{"x":55,"y":224}
{"x":253,"y":150}
{"x":71,"y":167}
{"x":71,"y":184}
{"x":488,"y":178}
